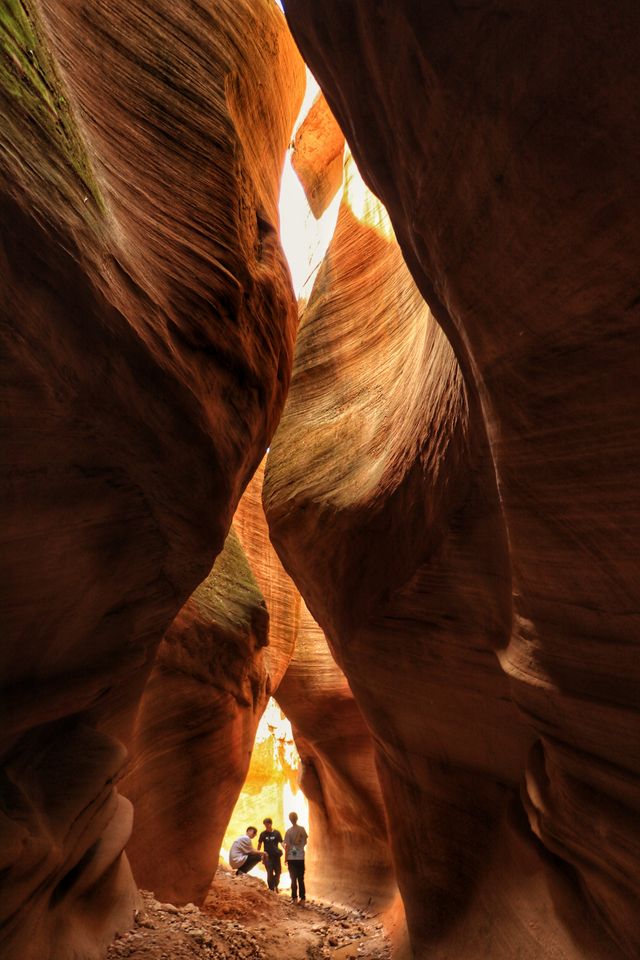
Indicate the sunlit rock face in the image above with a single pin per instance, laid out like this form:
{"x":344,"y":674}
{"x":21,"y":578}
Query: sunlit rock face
{"x":382,"y":502}
{"x":348,"y":854}
{"x":194,"y":730}
{"x":225,"y":652}
{"x":318,"y":149}
{"x":310,"y":189}
{"x":500,"y":141}
{"x":281,"y":597}
{"x":148,"y":332}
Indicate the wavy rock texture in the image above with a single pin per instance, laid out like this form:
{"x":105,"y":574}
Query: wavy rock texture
{"x":195,"y":728}
{"x":381,"y":498}
{"x":348,"y":855}
{"x":280,"y":594}
{"x":317,"y":158}
{"x":382,"y":502}
{"x":339,"y":776}
{"x":148,"y":330}
{"x":223,"y":655}
{"x":501,"y":144}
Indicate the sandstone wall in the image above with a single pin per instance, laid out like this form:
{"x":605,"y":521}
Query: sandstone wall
{"x":348,"y":859}
{"x":194,"y":731}
{"x":148,"y":325}
{"x":467,"y":538}
{"x":222,"y":656}
{"x":348,"y":856}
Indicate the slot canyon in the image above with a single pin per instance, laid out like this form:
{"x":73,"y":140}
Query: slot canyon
{"x":386,"y":484}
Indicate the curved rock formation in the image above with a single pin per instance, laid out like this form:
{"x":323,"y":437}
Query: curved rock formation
{"x":382,"y":501}
{"x":348,"y":854}
{"x":225,"y":652}
{"x":194,"y":730}
{"x":516,"y":212}
{"x":280,"y":594}
{"x":148,"y":332}
{"x":338,"y":774}
{"x":318,"y":150}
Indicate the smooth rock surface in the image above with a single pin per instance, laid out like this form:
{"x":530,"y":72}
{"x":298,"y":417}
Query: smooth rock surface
{"x":317,"y":157}
{"x":148,"y":326}
{"x":348,"y":858}
{"x":281,"y":596}
{"x":194,"y":730}
{"x":336,"y":750}
{"x":468,"y":538}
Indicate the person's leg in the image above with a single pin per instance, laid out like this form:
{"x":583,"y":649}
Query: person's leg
{"x":270,"y":874}
{"x":276,"y":872}
{"x":250,"y":862}
{"x":301,"y":887}
{"x":294,"y":878}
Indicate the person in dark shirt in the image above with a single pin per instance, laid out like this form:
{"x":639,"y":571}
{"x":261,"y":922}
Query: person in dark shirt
{"x":271,"y":839}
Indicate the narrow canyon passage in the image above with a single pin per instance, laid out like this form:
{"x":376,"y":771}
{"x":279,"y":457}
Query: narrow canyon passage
{"x":321,"y":404}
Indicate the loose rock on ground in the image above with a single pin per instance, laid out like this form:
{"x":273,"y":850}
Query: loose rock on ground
{"x":242,"y":919}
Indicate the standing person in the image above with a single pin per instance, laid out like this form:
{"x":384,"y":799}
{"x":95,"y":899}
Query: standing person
{"x":242,"y":855}
{"x":271,"y":839}
{"x":295,"y":840}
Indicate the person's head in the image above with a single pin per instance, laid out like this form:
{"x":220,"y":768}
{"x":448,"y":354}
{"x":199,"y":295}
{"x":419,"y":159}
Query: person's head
{"x":268,"y":822}
{"x":251,"y":832}
{"x":294,"y":818}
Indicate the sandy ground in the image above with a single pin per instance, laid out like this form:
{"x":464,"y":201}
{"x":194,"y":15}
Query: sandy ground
{"x":243,"y":920}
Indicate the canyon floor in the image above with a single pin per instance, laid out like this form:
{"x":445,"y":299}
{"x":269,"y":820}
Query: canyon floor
{"x":242,"y":919}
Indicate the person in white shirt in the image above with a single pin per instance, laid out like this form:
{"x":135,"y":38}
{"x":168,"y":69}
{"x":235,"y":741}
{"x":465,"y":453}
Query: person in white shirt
{"x":295,"y":840}
{"x":242,"y":856}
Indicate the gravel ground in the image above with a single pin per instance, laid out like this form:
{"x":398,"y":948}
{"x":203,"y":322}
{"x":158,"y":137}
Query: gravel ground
{"x":242,"y":919}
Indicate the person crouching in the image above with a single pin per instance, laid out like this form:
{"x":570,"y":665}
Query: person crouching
{"x":242,"y":856}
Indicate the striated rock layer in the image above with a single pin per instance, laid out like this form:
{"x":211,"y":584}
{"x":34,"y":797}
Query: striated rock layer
{"x":448,"y":604}
{"x":225,"y":652}
{"x":280,"y":594}
{"x":336,"y":750}
{"x":148,"y":325}
{"x":348,"y":858}
{"x":194,"y":730}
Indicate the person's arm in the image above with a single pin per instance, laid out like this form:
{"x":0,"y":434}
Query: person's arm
{"x":260,"y":841}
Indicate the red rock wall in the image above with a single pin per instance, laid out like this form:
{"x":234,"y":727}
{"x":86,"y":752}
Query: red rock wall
{"x":147,"y":336}
{"x":339,"y":776}
{"x":317,"y":156}
{"x":280,"y":594}
{"x":194,"y":731}
{"x":348,"y":859}
{"x":225,"y":652}
{"x":449,"y":601}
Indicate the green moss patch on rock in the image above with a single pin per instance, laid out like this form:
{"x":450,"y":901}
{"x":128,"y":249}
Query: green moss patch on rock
{"x":38,"y":134}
